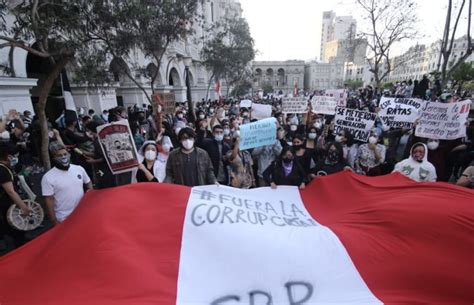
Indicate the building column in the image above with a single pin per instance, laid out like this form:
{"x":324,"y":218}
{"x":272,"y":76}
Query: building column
{"x":16,"y":94}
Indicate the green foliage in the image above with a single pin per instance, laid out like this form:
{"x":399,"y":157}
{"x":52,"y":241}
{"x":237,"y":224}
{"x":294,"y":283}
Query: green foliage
{"x":229,"y":50}
{"x":354,"y":84}
{"x":463,"y":73}
{"x":388,"y":85}
{"x":241,"y":88}
{"x":267,"y":88}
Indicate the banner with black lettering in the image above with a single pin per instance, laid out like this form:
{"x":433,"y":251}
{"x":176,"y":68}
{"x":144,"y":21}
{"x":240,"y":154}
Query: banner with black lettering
{"x":324,"y":105}
{"x":358,"y":123}
{"x":294,"y":105}
{"x":400,"y":112}
{"x":443,"y":121}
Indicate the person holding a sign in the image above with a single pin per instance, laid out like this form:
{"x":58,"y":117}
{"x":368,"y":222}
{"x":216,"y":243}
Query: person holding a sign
{"x":370,"y":157}
{"x":285,"y":171}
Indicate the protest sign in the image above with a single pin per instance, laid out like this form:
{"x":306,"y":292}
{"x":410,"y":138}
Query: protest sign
{"x":295,"y":105}
{"x":324,"y":105}
{"x":400,"y":112}
{"x":358,"y":123}
{"x":166,"y":100}
{"x":260,"y":111}
{"x":245,"y":103}
{"x":339,"y":94}
{"x":258,"y":134}
{"x":118,"y":146}
{"x":443,"y":121}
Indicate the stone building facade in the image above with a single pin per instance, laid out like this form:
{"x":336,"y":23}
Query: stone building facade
{"x":281,"y":75}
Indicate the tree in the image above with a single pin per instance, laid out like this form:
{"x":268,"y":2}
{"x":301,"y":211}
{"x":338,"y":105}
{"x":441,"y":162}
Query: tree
{"x":241,"y":88}
{"x":229,"y":51}
{"x":48,"y":30}
{"x":448,"y":41}
{"x":354,"y":84}
{"x":267,"y":88}
{"x":122,"y":27}
{"x":390,"y":22}
{"x":463,"y":73}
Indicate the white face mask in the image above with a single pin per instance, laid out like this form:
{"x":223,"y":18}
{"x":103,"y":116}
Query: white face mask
{"x":180,"y":116}
{"x":338,"y":139}
{"x":318,"y":125}
{"x":188,"y":144}
{"x":373,"y":140}
{"x":219,"y":137}
{"x":432,"y":145}
{"x":166,"y":148}
{"x":236,"y":134}
{"x":150,"y":155}
{"x":177,"y":130}
{"x":201,"y":116}
{"x":226,"y":132}
{"x":293,"y":127}
{"x":312,"y":135}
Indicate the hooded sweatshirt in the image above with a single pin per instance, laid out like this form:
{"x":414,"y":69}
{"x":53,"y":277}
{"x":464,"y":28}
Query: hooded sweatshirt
{"x":418,"y":171}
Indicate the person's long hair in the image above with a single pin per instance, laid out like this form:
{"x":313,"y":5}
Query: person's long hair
{"x":279,"y":160}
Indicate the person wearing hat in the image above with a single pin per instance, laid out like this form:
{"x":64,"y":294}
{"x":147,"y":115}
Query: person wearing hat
{"x":63,"y":185}
{"x":189,"y":165}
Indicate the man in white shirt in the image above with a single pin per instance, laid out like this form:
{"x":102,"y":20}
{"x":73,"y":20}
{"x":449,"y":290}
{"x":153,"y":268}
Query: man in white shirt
{"x":63,"y":185}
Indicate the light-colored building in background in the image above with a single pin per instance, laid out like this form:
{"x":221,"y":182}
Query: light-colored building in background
{"x":421,"y":59}
{"x":336,"y":28}
{"x":281,"y":75}
{"x":20,"y":92}
{"x":320,"y":76}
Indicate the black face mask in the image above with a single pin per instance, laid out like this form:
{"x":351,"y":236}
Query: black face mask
{"x":333,"y":156}
{"x":62,"y":163}
{"x":298,"y":147}
{"x":287,"y":160}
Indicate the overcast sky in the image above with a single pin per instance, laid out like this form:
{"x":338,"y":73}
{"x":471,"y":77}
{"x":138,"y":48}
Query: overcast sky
{"x":290,"y":29}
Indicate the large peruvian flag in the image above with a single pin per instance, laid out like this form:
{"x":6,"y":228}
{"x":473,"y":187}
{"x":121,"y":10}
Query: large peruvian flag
{"x":345,"y":239}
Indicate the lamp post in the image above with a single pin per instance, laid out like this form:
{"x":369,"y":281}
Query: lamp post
{"x":188,"y":61}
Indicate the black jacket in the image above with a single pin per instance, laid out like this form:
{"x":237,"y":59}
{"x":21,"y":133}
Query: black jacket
{"x":212,"y":148}
{"x":275,"y":173}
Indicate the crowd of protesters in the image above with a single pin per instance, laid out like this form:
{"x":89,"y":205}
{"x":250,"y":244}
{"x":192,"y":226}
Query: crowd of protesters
{"x":200,"y":146}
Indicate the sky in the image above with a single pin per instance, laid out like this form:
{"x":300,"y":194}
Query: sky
{"x":290,"y":29}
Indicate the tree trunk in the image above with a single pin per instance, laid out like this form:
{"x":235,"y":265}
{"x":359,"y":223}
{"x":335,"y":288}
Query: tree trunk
{"x":209,"y":86}
{"x":43,"y":98}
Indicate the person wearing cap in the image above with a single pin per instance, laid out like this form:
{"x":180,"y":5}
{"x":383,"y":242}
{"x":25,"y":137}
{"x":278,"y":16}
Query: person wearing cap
{"x":63,"y":185}
{"x":189,"y":165}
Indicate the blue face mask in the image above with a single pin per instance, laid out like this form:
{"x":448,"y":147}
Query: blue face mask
{"x":13,"y":161}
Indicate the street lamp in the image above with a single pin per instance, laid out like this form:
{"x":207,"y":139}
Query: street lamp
{"x":188,"y":61}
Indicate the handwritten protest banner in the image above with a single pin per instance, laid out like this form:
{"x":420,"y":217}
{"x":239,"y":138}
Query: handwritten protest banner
{"x":118,"y":146}
{"x":443,"y":121}
{"x":258,"y":134}
{"x":324,"y":105}
{"x":358,"y":123}
{"x":400,"y":112}
{"x":260,"y":111}
{"x":166,"y":100}
{"x":294,"y":105}
{"x":339,"y":94}
{"x":245,"y":103}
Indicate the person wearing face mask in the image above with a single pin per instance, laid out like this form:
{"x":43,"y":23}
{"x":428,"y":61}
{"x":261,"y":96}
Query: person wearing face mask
{"x":147,"y":170}
{"x":302,"y":155}
{"x":285,"y":171}
{"x":281,"y":136}
{"x":189,"y":165}
{"x":333,"y":162}
{"x":102,"y":176}
{"x":417,"y":166}
{"x":8,"y":194}
{"x":265,"y":155}
{"x":217,"y":149}
{"x":370,"y":157}
{"x":63,"y":185}
{"x":350,"y":148}
{"x":442,"y":154}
